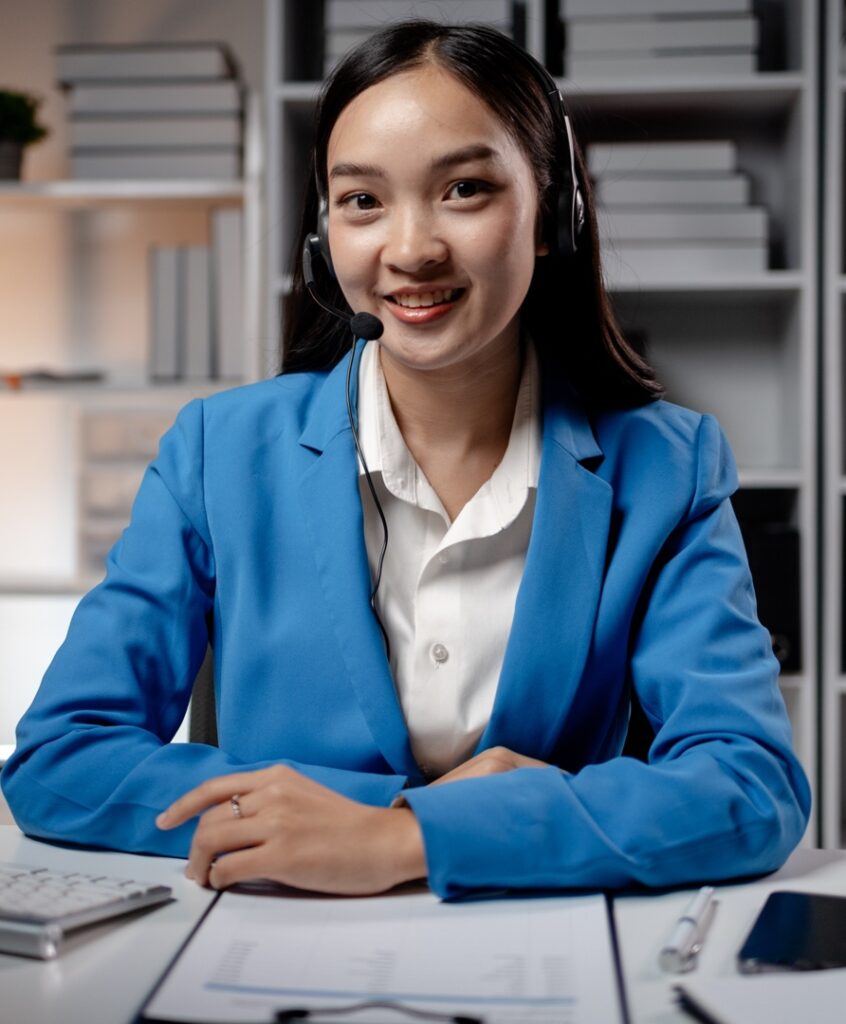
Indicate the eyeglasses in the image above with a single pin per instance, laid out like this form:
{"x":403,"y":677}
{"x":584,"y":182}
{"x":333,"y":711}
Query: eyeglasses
{"x":302,"y":1013}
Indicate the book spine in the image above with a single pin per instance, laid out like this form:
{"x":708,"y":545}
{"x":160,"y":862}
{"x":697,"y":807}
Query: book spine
{"x":211,"y":98}
{"x":621,"y":225}
{"x":722,"y":190}
{"x":682,"y":262}
{"x":227,"y":292}
{"x":122,"y":63}
{"x":655,"y":65}
{"x":650,"y":8}
{"x":691,"y":34}
{"x":375,"y":13}
{"x":204,"y":165}
{"x":164,"y":313}
{"x":197,"y":319}
{"x":719,"y":156}
{"x":154,"y":132}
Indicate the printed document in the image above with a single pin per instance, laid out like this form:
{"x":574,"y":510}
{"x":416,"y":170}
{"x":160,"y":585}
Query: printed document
{"x":545,"y":960}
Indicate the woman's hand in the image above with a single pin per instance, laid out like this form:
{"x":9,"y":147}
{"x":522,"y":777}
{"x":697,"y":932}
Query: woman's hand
{"x":490,"y":762}
{"x":295,"y":831}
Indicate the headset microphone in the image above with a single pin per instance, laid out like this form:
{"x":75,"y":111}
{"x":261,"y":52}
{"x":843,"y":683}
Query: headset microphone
{"x":363,"y":325}
{"x":367,"y":327}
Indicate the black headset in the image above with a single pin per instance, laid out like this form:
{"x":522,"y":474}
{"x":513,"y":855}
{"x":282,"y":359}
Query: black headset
{"x":561,"y":233}
{"x":568,"y":205}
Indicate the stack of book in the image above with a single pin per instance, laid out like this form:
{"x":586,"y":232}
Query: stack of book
{"x":607,"y":39}
{"x":115,"y":447}
{"x":349,"y":22}
{"x":677,"y":209}
{"x":196,"y":306}
{"x":154,"y":111}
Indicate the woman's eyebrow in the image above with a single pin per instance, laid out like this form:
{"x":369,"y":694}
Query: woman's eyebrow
{"x":475,"y":151}
{"x":466,"y":154}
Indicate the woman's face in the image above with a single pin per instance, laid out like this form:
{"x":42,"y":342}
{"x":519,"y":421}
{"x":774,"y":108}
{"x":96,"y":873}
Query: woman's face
{"x":432,"y":219}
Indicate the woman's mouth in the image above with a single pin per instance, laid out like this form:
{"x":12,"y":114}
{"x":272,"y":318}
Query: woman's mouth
{"x":423,"y":307}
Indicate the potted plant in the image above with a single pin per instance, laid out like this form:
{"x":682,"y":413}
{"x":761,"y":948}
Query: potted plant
{"x":19,"y":127}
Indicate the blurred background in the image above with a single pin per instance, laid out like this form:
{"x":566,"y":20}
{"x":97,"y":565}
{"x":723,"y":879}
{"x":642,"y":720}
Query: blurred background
{"x":152,"y":164}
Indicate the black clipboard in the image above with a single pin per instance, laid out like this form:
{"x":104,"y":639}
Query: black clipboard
{"x":141,"y":1016}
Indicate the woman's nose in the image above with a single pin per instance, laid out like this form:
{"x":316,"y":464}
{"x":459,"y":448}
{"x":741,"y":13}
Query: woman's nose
{"x":413,"y":241}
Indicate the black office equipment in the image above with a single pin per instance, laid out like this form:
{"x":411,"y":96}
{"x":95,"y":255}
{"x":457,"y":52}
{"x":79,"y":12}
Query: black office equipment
{"x":796,"y":931}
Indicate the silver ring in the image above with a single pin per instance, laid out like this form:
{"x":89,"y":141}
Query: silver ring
{"x":235,"y":804}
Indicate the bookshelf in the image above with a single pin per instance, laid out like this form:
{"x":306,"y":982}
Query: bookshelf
{"x":743,"y":347}
{"x":740,"y":345}
{"x":833,"y":387}
{"x":75,"y":293}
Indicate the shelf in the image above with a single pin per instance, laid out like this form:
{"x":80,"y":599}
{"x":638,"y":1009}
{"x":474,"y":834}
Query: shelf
{"x":753,"y":285}
{"x":46,"y":586}
{"x":771,"y":90}
{"x":95,"y":193}
{"x":298,"y":92}
{"x":764,"y":91}
{"x":765,"y":479}
{"x":181,"y":391}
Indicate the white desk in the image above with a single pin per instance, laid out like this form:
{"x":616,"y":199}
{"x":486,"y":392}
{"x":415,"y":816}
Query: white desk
{"x":103,"y":976}
{"x":644,"y":922}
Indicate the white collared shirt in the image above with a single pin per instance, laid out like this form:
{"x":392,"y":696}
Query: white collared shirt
{"x":448,"y":589}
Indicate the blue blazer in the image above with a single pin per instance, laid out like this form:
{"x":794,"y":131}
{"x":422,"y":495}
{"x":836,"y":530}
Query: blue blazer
{"x":247,"y":531}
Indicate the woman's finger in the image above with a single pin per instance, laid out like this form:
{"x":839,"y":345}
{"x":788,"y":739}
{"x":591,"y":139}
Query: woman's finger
{"x":239,"y":867}
{"x":210,"y":792}
{"x":247,"y":805}
{"x":215,"y":838}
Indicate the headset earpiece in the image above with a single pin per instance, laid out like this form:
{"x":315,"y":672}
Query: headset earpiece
{"x":322,"y":233}
{"x":571,"y":204}
{"x":568,"y":207}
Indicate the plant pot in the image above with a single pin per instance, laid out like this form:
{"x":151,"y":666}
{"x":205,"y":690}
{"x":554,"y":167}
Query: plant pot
{"x":11,"y":154}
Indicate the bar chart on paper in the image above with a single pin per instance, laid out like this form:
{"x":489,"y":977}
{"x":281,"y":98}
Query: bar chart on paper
{"x":510,"y":961}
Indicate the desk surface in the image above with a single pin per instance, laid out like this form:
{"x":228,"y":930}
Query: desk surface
{"x":103,"y":976}
{"x":644,"y":922}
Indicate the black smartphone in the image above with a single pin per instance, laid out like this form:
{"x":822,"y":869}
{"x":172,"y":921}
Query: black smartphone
{"x":796,"y":931}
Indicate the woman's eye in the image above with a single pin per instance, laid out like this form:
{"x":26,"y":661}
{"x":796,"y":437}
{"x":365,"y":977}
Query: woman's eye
{"x":359,"y":201}
{"x":467,"y":189}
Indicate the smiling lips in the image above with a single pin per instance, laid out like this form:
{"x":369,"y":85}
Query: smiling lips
{"x":423,"y":307}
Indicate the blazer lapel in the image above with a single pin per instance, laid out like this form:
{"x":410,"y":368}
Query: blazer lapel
{"x":559,"y":595}
{"x":333,"y":515}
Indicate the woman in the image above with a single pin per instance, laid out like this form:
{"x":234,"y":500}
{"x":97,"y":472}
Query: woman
{"x":559,"y":539}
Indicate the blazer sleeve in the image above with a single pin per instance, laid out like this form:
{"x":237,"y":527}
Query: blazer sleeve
{"x":93,"y":762}
{"x":722,"y":795}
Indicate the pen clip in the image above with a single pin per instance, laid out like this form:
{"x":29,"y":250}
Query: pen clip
{"x":680,"y":955}
{"x":701,"y":932}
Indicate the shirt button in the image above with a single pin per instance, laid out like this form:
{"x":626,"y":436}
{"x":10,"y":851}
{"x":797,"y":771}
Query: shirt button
{"x":439,"y":653}
{"x":443,"y":557}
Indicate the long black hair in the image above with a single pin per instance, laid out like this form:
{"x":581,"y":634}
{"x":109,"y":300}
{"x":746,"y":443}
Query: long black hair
{"x":567,"y":310}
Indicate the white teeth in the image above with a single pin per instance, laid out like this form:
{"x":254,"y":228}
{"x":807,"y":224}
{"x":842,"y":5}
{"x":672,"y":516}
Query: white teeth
{"x":425,"y":299}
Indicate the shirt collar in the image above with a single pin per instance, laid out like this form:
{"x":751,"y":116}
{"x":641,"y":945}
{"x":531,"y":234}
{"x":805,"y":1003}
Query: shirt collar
{"x":386,"y":452}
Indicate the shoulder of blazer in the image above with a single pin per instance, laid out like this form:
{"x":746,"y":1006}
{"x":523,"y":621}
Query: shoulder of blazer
{"x":656,"y":429}
{"x":672,"y":453}
{"x":281,"y":404}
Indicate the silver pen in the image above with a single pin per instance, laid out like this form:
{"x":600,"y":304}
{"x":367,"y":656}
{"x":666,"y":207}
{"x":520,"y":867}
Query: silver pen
{"x":681,"y":949}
